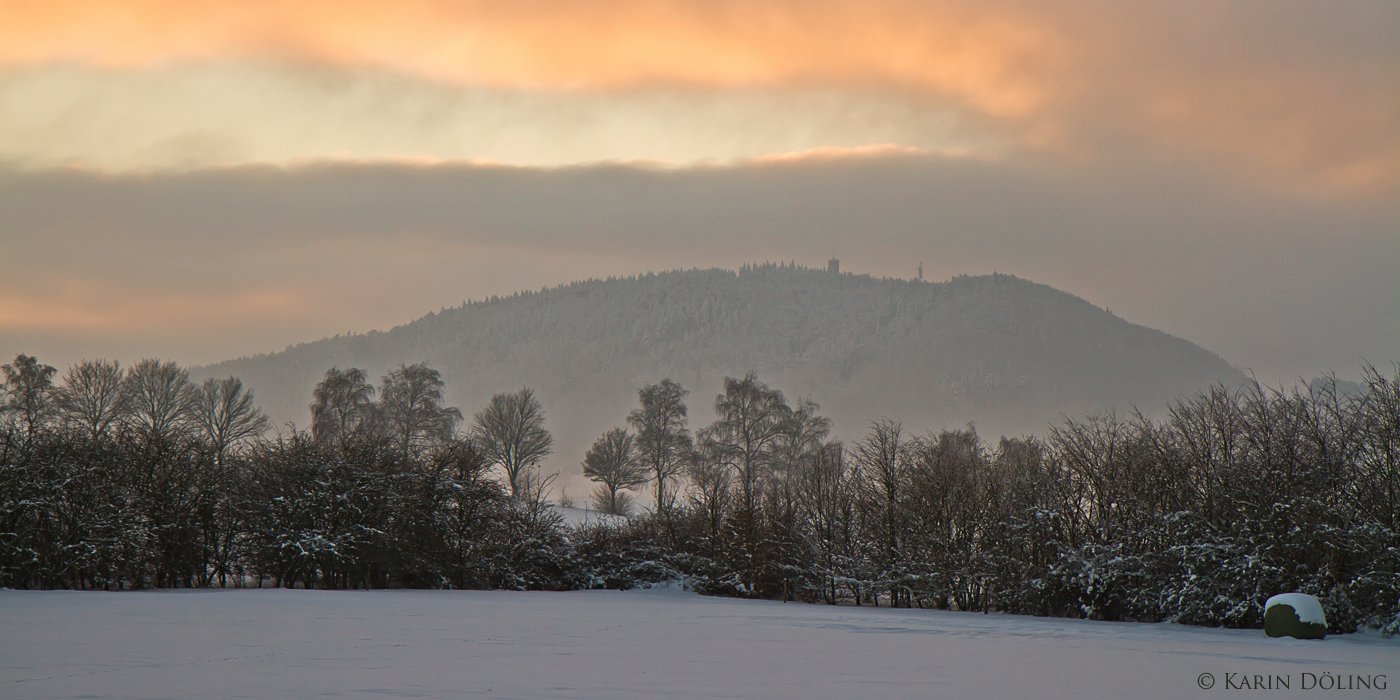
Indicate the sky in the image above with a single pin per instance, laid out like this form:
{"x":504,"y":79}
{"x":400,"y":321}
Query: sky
{"x":203,"y":180}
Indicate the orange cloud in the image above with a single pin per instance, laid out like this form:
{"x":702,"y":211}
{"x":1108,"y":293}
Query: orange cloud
{"x":990,"y":59}
{"x":89,"y":306}
{"x":1275,"y":89}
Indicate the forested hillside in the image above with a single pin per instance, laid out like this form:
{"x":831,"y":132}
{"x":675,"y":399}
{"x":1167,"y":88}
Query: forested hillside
{"x":1009,"y":354}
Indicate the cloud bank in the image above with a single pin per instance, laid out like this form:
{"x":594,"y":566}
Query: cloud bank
{"x":1302,"y":95}
{"x":189,"y":117}
{"x":217,"y":263}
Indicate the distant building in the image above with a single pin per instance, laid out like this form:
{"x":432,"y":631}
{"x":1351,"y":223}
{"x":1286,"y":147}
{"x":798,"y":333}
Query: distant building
{"x":833,"y":265}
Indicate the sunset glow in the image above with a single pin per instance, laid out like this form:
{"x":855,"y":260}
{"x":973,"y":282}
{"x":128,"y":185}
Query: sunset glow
{"x":996,"y":61}
{"x":1049,"y":78}
{"x":1292,"y":105}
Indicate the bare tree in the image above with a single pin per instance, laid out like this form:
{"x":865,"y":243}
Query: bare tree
{"x":663,"y":443}
{"x":343,"y":404}
{"x":825,"y":487}
{"x":711,"y":491}
{"x":883,"y":457}
{"x":92,"y":398}
{"x":29,"y":394}
{"x":612,"y":463}
{"x":801,"y":436}
{"x":1095,"y":452}
{"x":225,"y":414}
{"x":950,"y":497}
{"x":1380,"y":462}
{"x":531,"y":503}
{"x":410,"y":404}
{"x":805,"y":430}
{"x":752,"y":420}
{"x":510,"y":432}
{"x":160,"y":396}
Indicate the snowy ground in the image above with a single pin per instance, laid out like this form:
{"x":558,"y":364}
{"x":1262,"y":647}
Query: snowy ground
{"x":585,"y":516}
{"x":605,"y":644}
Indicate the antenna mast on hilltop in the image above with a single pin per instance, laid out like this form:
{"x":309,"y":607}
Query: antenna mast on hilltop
{"x":833,"y":265}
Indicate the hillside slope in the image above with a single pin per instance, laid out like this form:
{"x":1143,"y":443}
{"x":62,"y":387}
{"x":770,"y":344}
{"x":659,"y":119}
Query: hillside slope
{"x":1009,"y":354}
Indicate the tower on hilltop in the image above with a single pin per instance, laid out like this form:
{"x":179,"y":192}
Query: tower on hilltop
{"x":833,"y":265}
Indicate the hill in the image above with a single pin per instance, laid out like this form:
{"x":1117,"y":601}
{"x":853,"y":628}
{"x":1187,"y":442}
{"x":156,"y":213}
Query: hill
{"x":1006,"y":353}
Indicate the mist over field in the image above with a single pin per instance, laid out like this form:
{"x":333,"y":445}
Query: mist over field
{"x":1008,"y":355}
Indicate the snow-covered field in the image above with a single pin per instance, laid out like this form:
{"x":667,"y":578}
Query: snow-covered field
{"x":585,"y":516}
{"x":607,"y":644}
